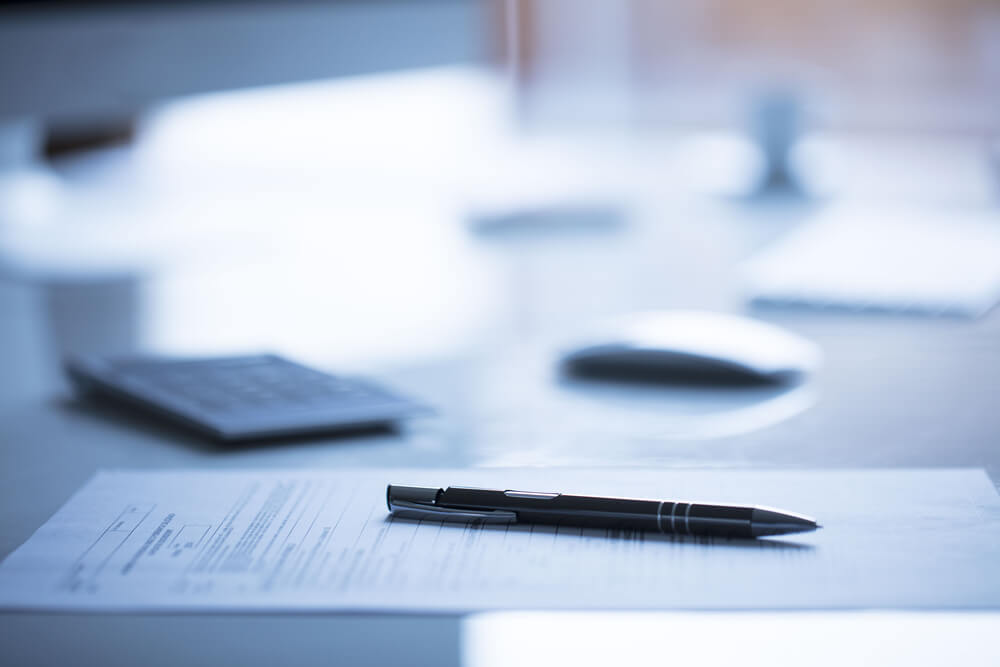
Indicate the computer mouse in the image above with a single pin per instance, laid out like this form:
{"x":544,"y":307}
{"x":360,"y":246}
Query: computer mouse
{"x":694,"y":346}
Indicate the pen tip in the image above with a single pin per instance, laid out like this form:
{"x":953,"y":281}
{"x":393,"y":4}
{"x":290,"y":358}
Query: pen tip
{"x":766,"y":521}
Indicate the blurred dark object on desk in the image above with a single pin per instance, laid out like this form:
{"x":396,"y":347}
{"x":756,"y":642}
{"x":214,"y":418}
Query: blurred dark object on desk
{"x":67,"y":139}
{"x":553,"y":220}
{"x":694,"y":347}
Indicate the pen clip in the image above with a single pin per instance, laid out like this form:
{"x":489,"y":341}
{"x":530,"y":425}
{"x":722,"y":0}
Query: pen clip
{"x":410,"y":510}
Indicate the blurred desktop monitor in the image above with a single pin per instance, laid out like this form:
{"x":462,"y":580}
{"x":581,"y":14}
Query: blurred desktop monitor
{"x":86,"y":63}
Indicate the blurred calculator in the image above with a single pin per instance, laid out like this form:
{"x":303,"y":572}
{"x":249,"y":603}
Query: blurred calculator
{"x":245,"y":397}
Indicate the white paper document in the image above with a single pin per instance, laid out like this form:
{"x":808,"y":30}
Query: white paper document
{"x":322,"y":541}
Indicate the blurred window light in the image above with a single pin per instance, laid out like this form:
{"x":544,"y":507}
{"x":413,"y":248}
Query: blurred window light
{"x":899,"y":65}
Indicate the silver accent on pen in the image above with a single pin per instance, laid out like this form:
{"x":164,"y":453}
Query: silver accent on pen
{"x":418,"y":502}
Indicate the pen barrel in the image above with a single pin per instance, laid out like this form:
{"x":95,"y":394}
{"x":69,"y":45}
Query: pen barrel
{"x":667,"y":517}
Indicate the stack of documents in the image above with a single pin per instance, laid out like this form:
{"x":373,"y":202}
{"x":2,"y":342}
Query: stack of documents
{"x":310,"y":541}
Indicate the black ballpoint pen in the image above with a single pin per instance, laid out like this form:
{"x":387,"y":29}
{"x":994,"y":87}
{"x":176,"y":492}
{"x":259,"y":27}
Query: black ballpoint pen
{"x":458,"y":503}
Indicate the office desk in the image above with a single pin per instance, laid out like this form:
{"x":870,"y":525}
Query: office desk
{"x":893,"y":392}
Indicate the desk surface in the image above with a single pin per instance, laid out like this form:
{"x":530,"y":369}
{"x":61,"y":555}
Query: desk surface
{"x":893,"y":392}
